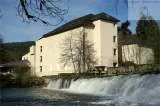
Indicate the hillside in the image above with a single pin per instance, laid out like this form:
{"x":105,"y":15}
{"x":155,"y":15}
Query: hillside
{"x":16,"y":50}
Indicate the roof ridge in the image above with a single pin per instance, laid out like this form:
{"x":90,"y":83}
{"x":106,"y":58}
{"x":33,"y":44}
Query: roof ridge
{"x":81,"y":21}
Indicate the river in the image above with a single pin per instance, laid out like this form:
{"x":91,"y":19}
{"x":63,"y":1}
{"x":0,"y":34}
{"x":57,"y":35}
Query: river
{"x":130,"y":90}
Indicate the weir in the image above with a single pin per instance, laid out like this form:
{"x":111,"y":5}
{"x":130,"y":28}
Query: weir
{"x":143,"y":88}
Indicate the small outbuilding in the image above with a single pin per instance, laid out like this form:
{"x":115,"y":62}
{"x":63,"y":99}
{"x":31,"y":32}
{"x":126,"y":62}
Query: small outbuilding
{"x":137,"y":54}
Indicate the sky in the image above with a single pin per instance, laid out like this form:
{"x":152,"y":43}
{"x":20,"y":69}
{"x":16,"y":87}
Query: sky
{"x":13,"y":29}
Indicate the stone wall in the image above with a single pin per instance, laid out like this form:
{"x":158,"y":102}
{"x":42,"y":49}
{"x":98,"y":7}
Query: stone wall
{"x":137,"y":69}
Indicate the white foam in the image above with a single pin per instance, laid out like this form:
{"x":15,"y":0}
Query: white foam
{"x":132,"y":88}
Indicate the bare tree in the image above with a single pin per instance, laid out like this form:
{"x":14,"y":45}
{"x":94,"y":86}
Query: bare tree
{"x":46,"y":10}
{"x":41,"y":10}
{"x":68,"y":55}
{"x":79,"y":52}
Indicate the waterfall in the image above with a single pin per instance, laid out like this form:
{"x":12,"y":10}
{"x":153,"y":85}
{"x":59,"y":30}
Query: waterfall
{"x":58,"y":84}
{"x":144,"y":88}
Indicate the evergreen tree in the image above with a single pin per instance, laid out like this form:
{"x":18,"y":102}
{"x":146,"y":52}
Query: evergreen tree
{"x":148,"y":31}
{"x":1,"y":49}
{"x":123,"y":32}
{"x":124,"y":29}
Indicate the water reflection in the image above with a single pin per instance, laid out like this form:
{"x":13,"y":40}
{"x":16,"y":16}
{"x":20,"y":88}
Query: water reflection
{"x":44,"y":97}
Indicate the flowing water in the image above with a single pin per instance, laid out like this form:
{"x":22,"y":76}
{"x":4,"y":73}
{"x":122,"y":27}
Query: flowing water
{"x":131,"y":90}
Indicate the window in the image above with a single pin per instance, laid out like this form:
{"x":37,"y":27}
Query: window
{"x":114,"y":38}
{"x":40,"y":58}
{"x":114,"y":51}
{"x":40,"y":68}
{"x":114,"y":64}
{"x":40,"y":48}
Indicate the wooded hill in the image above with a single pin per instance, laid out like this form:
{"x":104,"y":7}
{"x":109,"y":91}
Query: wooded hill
{"x":16,"y":50}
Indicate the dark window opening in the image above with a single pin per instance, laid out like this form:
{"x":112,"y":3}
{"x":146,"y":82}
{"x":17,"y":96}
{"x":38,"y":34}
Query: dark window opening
{"x":40,"y":48}
{"x":40,"y":58}
{"x":40,"y":68}
{"x":114,"y":50}
{"x":114,"y":38}
{"x":114,"y":64}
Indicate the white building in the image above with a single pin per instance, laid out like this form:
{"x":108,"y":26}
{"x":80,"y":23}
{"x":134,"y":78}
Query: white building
{"x":101,"y":30}
{"x":137,"y":54}
{"x":31,"y":58}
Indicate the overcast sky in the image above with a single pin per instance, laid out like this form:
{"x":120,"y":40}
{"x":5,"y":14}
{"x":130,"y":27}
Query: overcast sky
{"x":13,"y":29}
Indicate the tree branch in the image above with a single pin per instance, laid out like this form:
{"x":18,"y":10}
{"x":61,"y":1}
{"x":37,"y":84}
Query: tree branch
{"x":44,"y":11}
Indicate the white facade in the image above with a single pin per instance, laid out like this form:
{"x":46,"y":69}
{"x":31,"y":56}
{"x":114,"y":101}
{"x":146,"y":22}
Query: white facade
{"x":136,"y":54}
{"x":48,"y":49}
{"x":31,"y":58}
{"x":103,"y":35}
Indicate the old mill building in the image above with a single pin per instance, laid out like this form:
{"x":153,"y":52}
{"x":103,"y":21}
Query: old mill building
{"x":101,"y":29}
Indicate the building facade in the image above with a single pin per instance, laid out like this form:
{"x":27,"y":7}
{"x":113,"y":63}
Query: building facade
{"x":137,"y":54}
{"x":31,"y":58}
{"x":100,"y":29}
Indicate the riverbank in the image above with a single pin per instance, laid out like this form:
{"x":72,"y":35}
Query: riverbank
{"x":8,"y":81}
{"x":37,"y":82}
{"x":111,"y":71}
